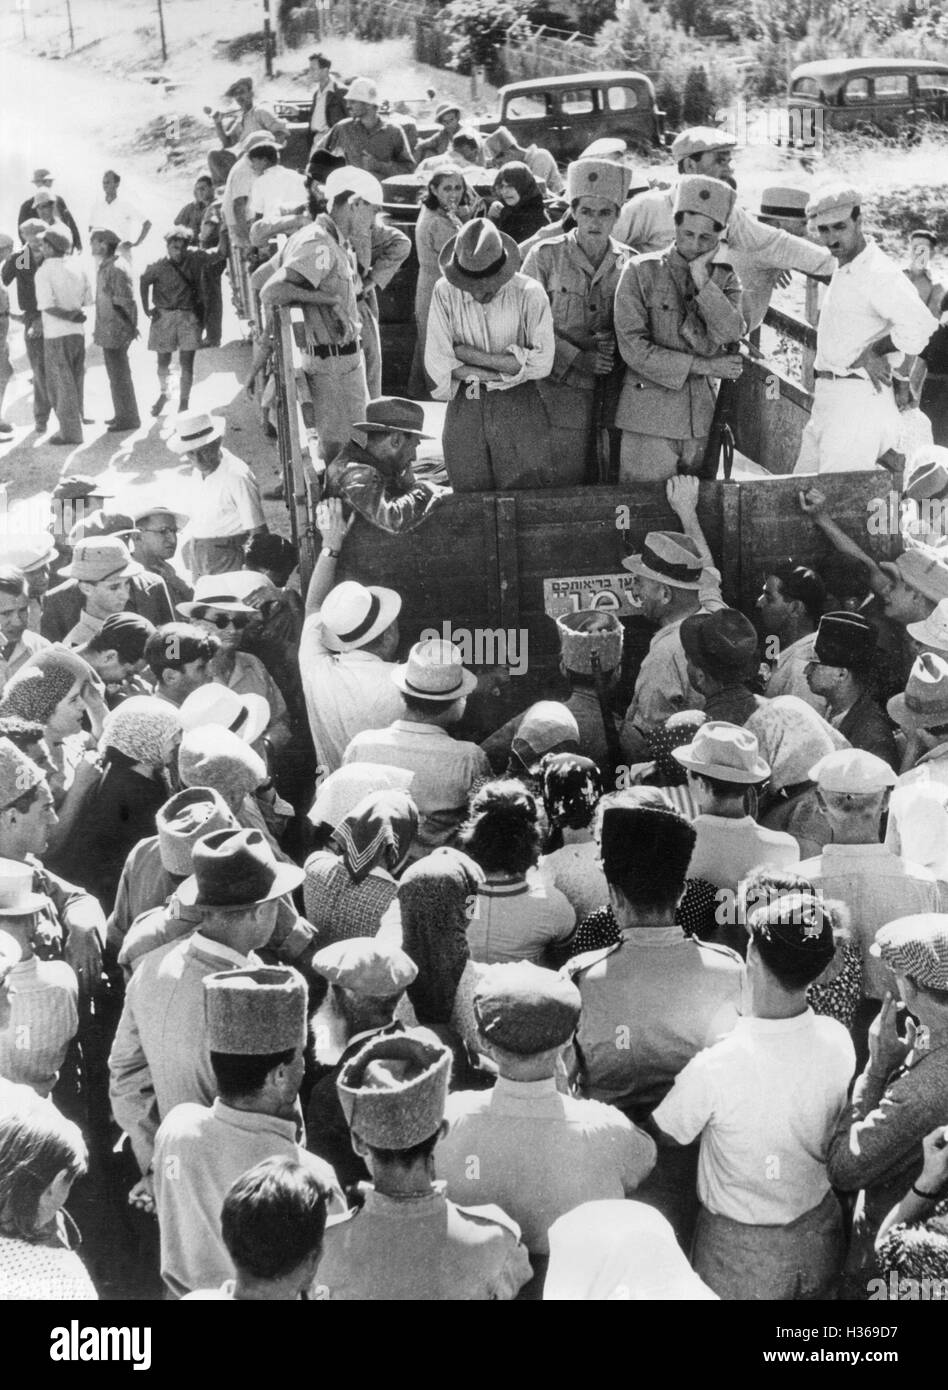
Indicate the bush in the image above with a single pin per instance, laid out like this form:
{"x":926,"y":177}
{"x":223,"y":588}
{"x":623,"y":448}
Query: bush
{"x":669,"y":101}
{"x":478,"y":29}
{"x":697,"y":104}
{"x":767,"y":77}
{"x":918,"y":205}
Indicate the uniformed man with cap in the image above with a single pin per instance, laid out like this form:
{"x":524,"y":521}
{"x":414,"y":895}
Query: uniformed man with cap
{"x":580,"y":271}
{"x":674,"y":577}
{"x":841,"y":672}
{"x":677,"y":320}
{"x":613,"y":151}
{"x":756,"y":249}
{"x":255,"y":1024}
{"x":902,"y":1095}
{"x":872,"y":326}
{"x":367,"y":979}
{"x":408,"y":1242}
{"x":539,"y":1151}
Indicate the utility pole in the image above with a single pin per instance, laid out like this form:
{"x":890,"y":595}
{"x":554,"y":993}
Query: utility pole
{"x":267,"y":39}
{"x":161,"y":31}
{"x":72,"y":36}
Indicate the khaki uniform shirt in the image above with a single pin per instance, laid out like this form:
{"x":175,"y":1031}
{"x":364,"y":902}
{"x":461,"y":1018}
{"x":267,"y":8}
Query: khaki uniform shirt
{"x":581,"y":297}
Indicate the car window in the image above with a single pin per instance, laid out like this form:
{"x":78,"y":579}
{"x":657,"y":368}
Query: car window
{"x":807,"y":87}
{"x":528,"y":105}
{"x":891,"y":86}
{"x":932,"y":84}
{"x":621,"y":98}
{"x":855,"y":91}
{"x":580,"y":102}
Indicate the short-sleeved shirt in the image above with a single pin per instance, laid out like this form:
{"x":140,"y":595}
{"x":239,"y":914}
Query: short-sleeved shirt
{"x":61,"y":283}
{"x":277,"y":191}
{"x":765,"y":1101}
{"x":345,"y":693}
{"x":226,"y":502}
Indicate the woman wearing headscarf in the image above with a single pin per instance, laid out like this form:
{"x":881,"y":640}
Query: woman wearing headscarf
{"x":792,"y":738}
{"x":436,"y":896}
{"x":517,"y":748}
{"x":55,"y":689}
{"x":619,"y":1251}
{"x":139,"y":739}
{"x":342,"y":791}
{"x":41,"y":1155}
{"x":572,"y":787}
{"x":348,"y":889}
{"x":518,"y":208}
{"x":516,"y":916}
{"x":445,"y":206}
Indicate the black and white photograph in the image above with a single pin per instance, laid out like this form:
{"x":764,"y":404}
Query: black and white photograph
{"x":474,"y":664}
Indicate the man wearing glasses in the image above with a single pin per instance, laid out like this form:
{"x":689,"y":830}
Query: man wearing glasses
{"x":155,"y":544}
{"x":226,"y":507}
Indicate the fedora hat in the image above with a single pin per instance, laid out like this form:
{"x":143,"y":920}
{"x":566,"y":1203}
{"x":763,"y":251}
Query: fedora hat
{"x":17,"y":898}
{"x":726,"y":752}
{"x":434,"y":671}
{"x":723,"y":644}
{"x":480,"y":257}
{"x":924,"y":703}
{"x":195,"y":430}
{"x":669,"y":558}
{"x":783,"y":202}
{"x":216,"y":591}
{"x":393,"y":413}
{"x":100,"y":558}
{"x":143,"y":508}
{"x":933,"y":630}
{"x":353,"y":615}
{"x":236,"y":869}
{"x":245,"y":715}
{"x":41,"y":176}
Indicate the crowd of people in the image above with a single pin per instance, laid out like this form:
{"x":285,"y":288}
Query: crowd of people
{"x":313,"y":984}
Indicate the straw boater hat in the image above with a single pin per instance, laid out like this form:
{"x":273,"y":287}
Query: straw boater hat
{"x":669,"y":558}
{"x":434,"y":671}
{"x":194,"y":430}
{"x":354,"y":614}
{"x":255,"y":1013}
{"x":480,"y":257}
{"x":17,"y":898}
{"x":725,"y":752}
{"x":784,"y":203}
{"x":393,"y":1091}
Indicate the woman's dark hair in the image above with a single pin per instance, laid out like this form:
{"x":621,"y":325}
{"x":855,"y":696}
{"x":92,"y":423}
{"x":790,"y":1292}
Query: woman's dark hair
{"x":242,"y":1074}
{"x":518,"y":176}
{"x":503,"y":833}
{"x":35,"y":1146}
{"x":273,"y":1218}
{"x":429,"y":200}
{"x":272,"y":552}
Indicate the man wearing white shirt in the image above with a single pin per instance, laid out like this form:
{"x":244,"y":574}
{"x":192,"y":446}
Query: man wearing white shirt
{"x":275,"y":189}
{"x":225,"y":506}
{"x":871,"y":313}
{"x":490,"y":339}
{"x":347,"y":646}
{"x":765,"y":1101}
{"x":114,"y":214}
{"x":63,"y":292}
{"x":918,"y":809}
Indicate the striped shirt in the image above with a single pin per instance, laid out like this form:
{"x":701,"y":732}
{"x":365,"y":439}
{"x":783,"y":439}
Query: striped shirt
{"x":44,"y":1017}
{"x":517,"y":320}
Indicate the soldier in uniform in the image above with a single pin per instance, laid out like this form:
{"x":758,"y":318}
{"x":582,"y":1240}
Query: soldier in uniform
{"x":580,"y":271}
{"x":676,"y":313}
{"x":408,"y":1242}
{"x":317,"y":270}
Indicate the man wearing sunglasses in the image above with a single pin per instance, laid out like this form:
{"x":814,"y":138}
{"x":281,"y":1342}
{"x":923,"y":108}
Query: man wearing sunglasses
{"x":154,"y":546}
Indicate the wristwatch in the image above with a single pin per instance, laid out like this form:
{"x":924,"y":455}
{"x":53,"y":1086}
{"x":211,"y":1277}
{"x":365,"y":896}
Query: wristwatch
{"x":334,"y":554}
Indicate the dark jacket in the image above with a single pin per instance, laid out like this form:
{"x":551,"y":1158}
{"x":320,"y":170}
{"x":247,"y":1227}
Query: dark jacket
{"x":327,"y":1130}
{"x":866,"y":727}
{"x":336,"y":109}
{"x":62,"y":606}
{"x":19,"y":268}
{"x":28,"y":210}
{"x":524,"y":218}
{"x":394,"y":504}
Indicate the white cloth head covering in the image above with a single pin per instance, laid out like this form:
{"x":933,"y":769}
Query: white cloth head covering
{"x":792,"y":738}
{"x":622,"y":1251}
{"x":343,"y":789}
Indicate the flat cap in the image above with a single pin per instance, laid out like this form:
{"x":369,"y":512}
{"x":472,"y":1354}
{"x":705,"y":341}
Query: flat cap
{"x":916,"y":946}
{"x":852,"y":770}
{"x":251,"y":1013}
{"x":710,"y":197}
{"x":393,"y":1091}
{"x":525,"y":1009}
{"x":838,"y":196}
{"x":700,"y":139}
{"x":366,"y":965}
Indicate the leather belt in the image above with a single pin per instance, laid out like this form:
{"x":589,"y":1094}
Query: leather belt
{"x":838,"y":376}
{"x":330,"y":349}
